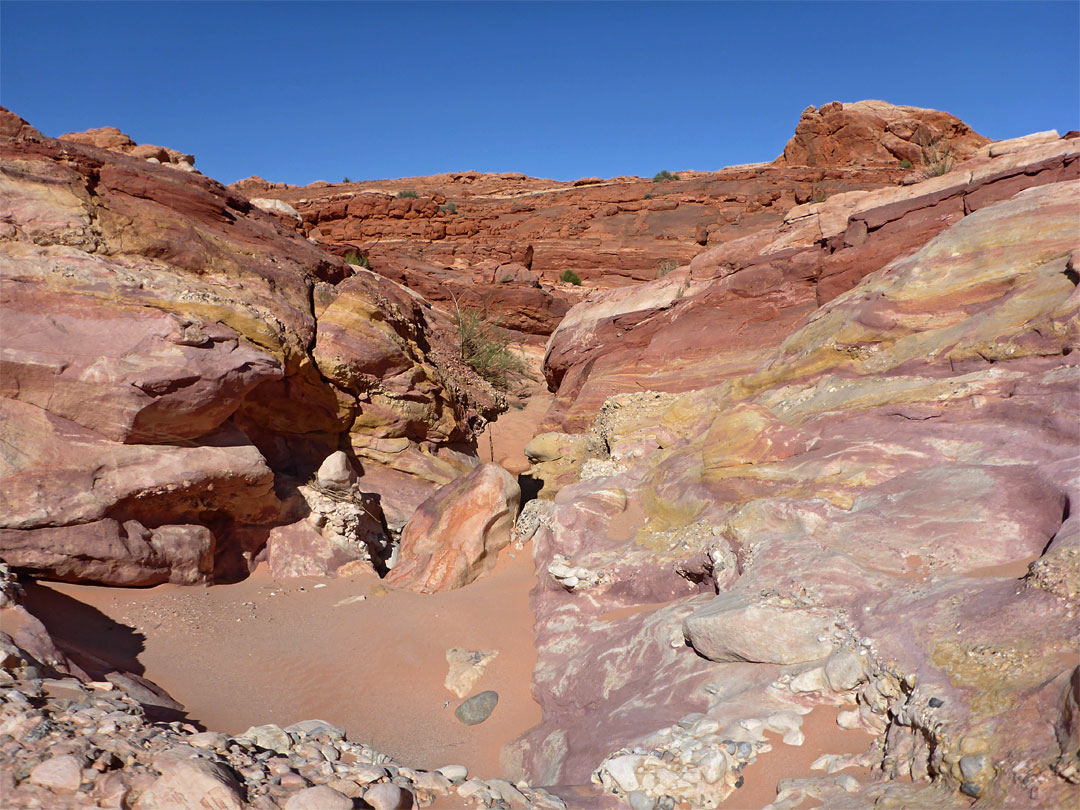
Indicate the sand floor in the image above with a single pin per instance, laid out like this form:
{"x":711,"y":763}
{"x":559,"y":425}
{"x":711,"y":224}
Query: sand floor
{"x":263,"y":651}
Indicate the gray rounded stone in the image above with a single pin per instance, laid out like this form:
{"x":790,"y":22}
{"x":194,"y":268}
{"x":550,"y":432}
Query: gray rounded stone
{"x":478,"y":708}
{"x":639,"y":800}
{"x":970,"y":766}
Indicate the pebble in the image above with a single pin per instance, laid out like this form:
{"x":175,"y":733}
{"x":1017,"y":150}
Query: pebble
{"x":936,"y":703}
{"x":971,"y":766}
{"x":478,"y":708}
{"x":455,"y":773}
{"x":387,"y":796}
{"x":639,"y":800}
{"x":971,"y":789}
{"x":320,"y":797}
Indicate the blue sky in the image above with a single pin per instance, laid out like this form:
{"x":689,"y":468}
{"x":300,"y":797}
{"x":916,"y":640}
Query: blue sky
{"x":299,"y":92}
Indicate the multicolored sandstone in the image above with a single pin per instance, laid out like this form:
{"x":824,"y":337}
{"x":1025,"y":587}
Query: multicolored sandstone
{"x":177,"y":363}
{"x":885,"y":498}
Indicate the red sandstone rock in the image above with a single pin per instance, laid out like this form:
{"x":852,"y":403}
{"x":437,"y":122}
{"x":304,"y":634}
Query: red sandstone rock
{"x":610,"y":233}
{"x":113,"y":139}
{"x":456,"y":534}
{"x":689,"y":330}
{"x":868,"y":133}
{"x":887,"y":488}
{"x":159,"y":336}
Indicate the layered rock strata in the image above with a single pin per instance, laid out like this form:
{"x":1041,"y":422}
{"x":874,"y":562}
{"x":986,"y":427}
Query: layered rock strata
{"x":176,"y":363}
{"x":465,"y":238}
{"x":723,"y":313}
{"x":877,"y":516}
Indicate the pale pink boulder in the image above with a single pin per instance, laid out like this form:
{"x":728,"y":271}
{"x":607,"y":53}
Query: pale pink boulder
{"x":456,"y":534}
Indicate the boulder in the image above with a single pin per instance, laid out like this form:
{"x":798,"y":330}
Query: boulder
{"x":191,"y":784}
{"x":456,"y":534}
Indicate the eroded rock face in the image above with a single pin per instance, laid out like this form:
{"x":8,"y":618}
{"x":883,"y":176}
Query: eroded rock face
{"x":177,"y":362}
{"x":501,"y":242}
{"x":867,"y":133}
{"x":877,"y":513}
{"x":113,"y":139}
{"x":722,"y":316}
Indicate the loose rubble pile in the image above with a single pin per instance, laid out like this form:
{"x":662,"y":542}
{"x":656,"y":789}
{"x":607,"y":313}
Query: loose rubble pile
{"x":69,"y":742}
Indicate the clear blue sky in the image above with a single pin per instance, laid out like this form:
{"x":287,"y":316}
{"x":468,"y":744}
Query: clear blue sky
{"x":299,"y":92}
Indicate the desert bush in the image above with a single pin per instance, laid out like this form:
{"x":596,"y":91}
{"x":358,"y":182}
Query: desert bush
{"x":905,"y":164}
{"x":346,"y":179}
{"x":570,"y":277}
{"x":663,"y":175}
{"x":358,"y":259}
{"x":407,"y":194}
{"x":818,"y":194}
{"x":485,"y":348}
{"x":665,"y":266}
{"x":938,"y":157}
{"x":449,"y":208}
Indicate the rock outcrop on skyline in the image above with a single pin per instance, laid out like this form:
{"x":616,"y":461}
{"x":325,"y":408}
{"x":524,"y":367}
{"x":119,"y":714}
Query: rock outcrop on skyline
{"x":459,"y":237}
{"x":876,"y":133}
{"x":114,"y":140}
{"x":176,"y":363}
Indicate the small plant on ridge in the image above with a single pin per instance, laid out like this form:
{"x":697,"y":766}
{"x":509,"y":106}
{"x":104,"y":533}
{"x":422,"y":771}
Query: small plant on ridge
{"x":407,"y":194}
{"x":485,"y":348}
{"x":357,"y":259}
{"x":663,"y":175}
{"x":570,"y":277}
{"x":938,"y":157}
{"x":665,"y":266}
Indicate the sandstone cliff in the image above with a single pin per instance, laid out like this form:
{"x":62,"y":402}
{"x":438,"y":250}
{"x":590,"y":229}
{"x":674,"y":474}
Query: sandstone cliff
{"x":176,"y":363}
{"x":463,"y":236}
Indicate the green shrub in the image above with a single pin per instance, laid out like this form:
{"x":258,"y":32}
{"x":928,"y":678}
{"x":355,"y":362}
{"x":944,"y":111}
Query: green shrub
{"x":346,"y":179}
{"x":407,"y":194}
{"x":663,"y":175}
{"x":570,"y":277}
{"x":818,"y":194}
{"x":905,"y":164}
{"x":938,"y":157}
{"x":449,"y":208}
{"x":358,"y":259}
{"x":485,"y":348}
{"x":665,"y":266}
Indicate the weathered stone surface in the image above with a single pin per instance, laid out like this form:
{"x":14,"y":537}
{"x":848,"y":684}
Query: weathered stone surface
{"x":466,"y":667}
{"x":478,"y":708}
{"x":500,"y":242}
{"x":319,"y":797}
{"x":62,"y":774}
{"x":895,"y":472}
{"x":165,"y":376}
{"x":868,"y":133}
{"x":743,"y":297}
{"x":735,"y":628}
{"x":113,"y":139}
{"x":192,"y":784}
{"x":456,"y":534}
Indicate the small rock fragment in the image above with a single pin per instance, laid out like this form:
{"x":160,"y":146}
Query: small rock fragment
{"x":478,"y":708}
{"x":62,"y":774}
{"x":319,"y":797}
